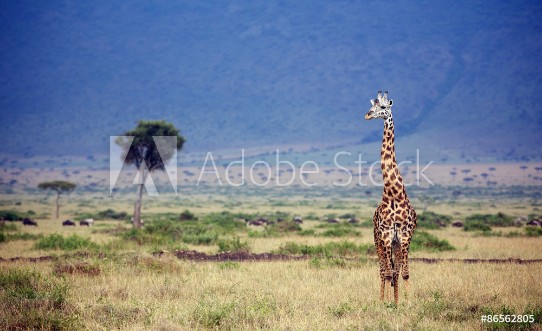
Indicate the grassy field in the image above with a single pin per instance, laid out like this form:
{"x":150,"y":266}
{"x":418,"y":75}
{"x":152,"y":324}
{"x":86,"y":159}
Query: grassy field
{"x":106,"y":276}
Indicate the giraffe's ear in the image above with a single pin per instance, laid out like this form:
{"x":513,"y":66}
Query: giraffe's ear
{"x":372,"y":102}
{"x":390,"y":101}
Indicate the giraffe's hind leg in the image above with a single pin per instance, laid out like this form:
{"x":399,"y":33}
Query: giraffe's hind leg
{"x":405,"y":244}
{"x":397,"y":264}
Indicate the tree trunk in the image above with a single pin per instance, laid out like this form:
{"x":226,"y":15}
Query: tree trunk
{"x":137,"y":224}
{"x":57,"y":205}
{"x":137,"y":207}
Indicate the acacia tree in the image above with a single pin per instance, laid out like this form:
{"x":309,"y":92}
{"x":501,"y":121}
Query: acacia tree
{"x":146,"y":156}
{"x":59,"y":186}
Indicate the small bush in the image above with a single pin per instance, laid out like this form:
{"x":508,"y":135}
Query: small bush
{"x":533,"y":232}
{"x":223,"y":223}
{"x":11,"y":215}
{"x":433,"y":221}
{"x":476,"y":226}
{"x":57,"y":241}
{"x":166,"y":232}
{"x":111,"y":214}
{"x":232,"y":245}
{"x":340,"y":231}
{"x":499,"y":219}
{"x":425,"y":241}
{"x":187,"y":216}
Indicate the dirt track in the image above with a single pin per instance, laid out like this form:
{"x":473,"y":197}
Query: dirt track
{"x":246,"y":256}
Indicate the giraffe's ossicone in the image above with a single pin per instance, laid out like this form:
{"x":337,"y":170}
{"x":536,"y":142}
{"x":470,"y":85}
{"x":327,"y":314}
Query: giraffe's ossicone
{"x":395,"y":218}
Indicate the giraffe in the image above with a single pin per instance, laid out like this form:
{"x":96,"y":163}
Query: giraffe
{"x":394,"y":219}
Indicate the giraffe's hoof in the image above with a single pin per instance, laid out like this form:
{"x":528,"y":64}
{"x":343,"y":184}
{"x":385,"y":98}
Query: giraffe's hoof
{"x":405,"y":277}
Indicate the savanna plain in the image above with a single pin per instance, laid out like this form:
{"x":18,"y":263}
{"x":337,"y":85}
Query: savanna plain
{"x":473,"y":254}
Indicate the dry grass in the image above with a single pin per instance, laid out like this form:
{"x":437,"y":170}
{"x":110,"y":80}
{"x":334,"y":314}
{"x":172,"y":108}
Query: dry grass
{"x":142,"y":292}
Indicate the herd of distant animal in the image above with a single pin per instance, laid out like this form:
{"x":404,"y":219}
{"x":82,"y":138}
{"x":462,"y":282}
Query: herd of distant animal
{"x":86,"y":222}
{"x":264,"y":221}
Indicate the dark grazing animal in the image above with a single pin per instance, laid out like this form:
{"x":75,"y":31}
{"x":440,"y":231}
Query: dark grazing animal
{"x":457,"y":224}
{"x":534,"y":222}
{"x":68,"y":223}
{"x":29,"y":222}
{"x":84,"y":223}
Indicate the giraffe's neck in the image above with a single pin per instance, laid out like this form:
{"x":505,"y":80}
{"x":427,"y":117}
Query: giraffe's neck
{"x":393,"y":182}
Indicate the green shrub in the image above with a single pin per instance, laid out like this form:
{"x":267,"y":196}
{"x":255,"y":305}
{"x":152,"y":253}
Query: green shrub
{"x":187,"y":215}
{"x":422,"y":240}
{"x":57,"y":241}
{"x":223,"y":222}
{"x":340,"y":231}
{"x":11,"y":215}
{"x":232,"y":245}
{"x":476,"y":226}
{"x":431,"y":220}
{"x":31,"y":301}
{"x":111,"y":214}
{"x":498,"y":219}
{"x":167,"y":232}
{"x":533,"y":231}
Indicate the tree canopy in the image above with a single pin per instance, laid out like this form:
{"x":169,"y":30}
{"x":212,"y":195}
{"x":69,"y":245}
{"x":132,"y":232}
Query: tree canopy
{"x":58,"y":186}
{"x":144,"y":148}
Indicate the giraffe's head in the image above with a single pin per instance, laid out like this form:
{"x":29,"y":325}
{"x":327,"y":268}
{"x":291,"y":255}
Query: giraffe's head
{"x":381,"y":107}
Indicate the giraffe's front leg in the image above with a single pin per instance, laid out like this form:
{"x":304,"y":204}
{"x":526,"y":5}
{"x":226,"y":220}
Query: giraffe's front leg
{"x":379,"y":252}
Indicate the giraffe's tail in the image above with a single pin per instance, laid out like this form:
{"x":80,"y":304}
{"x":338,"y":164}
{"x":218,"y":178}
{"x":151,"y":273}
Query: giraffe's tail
{"x":396,"y":254}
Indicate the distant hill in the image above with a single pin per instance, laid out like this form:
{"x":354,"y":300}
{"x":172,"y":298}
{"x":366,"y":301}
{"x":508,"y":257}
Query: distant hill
{"x":464,"y":76}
